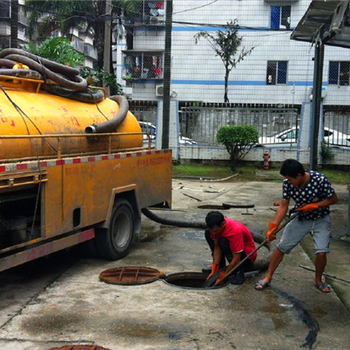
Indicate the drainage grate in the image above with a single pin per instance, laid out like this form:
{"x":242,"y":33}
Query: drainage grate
{"x":80,"y":347}
{"x":130,"y":275}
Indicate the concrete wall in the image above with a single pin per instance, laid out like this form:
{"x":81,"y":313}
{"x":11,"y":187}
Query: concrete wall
{"x":278,"y":153}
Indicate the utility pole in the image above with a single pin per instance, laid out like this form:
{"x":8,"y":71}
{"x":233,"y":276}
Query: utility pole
{"x":167,"y":73}
{"x":316,"y":102}
{"x":107,"y":41}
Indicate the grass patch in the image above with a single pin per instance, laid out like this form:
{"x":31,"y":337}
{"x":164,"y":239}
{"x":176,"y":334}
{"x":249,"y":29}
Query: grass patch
{"x":336,"y":176}
{"x":215,"y":172}
{"x":245,"y":173}
{"x":197,"y":170}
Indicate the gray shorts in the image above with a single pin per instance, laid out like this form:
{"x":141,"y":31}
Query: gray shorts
{"x":296,"y":230}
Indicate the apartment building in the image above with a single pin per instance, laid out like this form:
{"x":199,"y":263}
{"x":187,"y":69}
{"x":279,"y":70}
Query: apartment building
{"x":5,"y":25}
{"x":272,"y":85}
{"x":278,"y":71}
{"x":81,"y":41}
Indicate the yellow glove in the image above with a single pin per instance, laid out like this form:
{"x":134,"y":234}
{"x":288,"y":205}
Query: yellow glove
{"x":307,"y":207}
{"x":269,"y":235}
{"x":214,"y":268}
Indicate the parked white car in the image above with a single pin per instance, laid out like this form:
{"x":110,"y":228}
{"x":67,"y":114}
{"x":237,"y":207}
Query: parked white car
{"x":152,"y":131}
{"x":331,"y":137}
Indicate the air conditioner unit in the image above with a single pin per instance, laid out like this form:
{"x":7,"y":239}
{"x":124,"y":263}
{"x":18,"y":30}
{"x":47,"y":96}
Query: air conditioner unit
{"x":159,"y":90}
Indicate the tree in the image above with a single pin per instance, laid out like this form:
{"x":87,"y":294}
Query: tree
{"x":225,"y":44}
{"x":60,"y":50}
{"x":102,"y":78}
{"x":47,"y":16}
{"x":238,"y":140}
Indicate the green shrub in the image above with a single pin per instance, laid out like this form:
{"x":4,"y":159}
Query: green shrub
{"x":238,"y":140}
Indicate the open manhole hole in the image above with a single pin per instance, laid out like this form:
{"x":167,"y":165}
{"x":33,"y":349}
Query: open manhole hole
{"x":80,"y":347}
{"x":189,"y":280}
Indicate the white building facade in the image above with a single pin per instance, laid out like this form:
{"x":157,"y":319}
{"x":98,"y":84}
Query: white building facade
{"x":279,"y":72}
{"x":197,"y":74}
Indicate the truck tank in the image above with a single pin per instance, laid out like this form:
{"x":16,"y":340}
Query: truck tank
{"x":37,"y":124}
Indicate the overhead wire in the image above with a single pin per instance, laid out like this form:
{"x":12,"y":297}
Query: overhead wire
{"x":196,"y":8}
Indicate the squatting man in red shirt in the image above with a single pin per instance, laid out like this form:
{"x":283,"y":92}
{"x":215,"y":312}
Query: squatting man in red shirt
{"x":231,"y":240}
{"x":313,"y":194}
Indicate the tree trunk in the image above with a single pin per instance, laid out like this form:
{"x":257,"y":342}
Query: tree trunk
{"x":227,"y":73}
{"x":233,"y":162}
{"x":100,"y":40}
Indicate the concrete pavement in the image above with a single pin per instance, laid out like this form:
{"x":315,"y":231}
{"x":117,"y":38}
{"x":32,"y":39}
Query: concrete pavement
{"x":75,"y":307}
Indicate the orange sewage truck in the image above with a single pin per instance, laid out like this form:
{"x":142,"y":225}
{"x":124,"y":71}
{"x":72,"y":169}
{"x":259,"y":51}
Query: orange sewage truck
{"x":72,"y":172}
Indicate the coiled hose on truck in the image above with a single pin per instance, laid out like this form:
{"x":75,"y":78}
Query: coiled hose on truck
{"x":59,"y":79}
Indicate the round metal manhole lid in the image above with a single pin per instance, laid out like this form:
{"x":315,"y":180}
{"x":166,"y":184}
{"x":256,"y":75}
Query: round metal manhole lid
{"x":130,"y":275}
{"x":80,"y":347}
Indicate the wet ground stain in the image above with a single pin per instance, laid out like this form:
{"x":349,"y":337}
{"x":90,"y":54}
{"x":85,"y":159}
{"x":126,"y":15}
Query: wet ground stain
{"x":310,"y":322}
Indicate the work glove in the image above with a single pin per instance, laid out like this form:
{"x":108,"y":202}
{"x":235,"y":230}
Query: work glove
{"x":214,"y":269}
{"x":221,"y":276}
{"x":269,"y":235}
{"x":307,"y":207}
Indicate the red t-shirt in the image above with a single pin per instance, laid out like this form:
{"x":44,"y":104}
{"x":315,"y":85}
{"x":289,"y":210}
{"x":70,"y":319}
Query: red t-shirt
{"x":239,"y":238}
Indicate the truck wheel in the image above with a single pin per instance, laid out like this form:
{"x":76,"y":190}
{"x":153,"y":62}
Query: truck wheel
{"x":114,"y":243}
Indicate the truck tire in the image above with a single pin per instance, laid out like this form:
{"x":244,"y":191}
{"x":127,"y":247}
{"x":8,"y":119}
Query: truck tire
{"x":114,"y":243}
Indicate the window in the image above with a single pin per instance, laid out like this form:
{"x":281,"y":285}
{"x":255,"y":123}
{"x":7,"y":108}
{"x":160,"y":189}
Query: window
{"x":143,"y":65}
{"x":5,"y":42}
{"x":5,"y":9}
{"x":339,"y":73}
{"x":276,"y":72}
{"x":280,"y":17}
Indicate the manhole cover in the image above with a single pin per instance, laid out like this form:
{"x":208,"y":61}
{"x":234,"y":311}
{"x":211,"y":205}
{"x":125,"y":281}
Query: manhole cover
{"x":130,"y":275}
{"x":80,"y":347}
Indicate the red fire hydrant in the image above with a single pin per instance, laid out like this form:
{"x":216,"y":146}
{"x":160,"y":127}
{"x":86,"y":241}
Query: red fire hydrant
{"x":266,"y":157}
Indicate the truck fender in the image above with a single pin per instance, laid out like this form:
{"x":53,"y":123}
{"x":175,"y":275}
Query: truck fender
{"x":129,"y":193}
{"x":114,"y":239}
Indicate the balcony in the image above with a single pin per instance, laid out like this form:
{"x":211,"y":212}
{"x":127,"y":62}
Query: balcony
{"x":148,"y":12}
